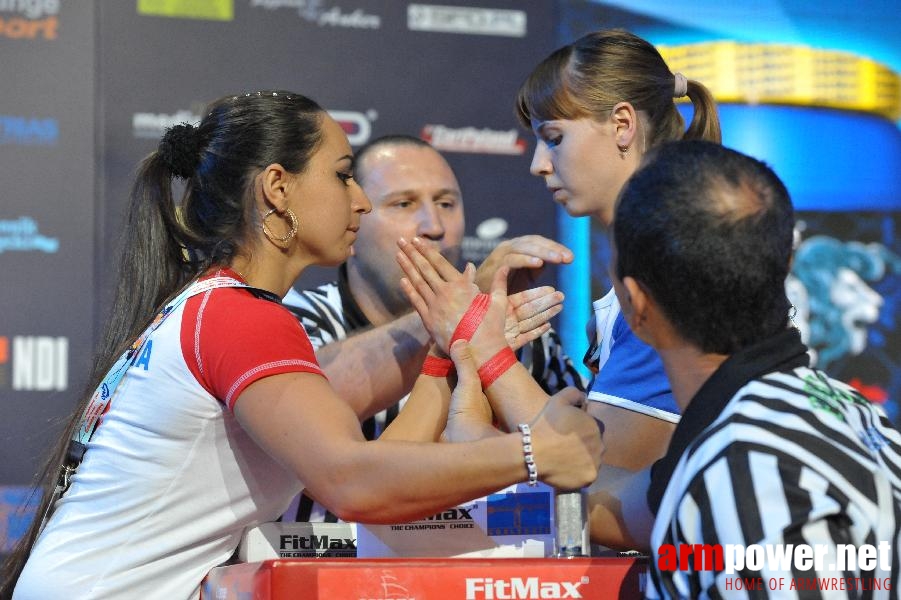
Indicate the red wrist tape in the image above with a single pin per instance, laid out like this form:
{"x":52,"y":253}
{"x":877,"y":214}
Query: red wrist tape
{"x":437,"y":367}
{"x":471,"y":319}
{"x":496,"y":366}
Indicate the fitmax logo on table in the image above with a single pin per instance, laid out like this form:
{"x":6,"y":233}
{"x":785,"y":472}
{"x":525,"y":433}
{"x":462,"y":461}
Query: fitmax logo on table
{"x":36,"y":363}
{"x":29,"y":19}
{"x":313,"y":11}
{"x":521,"y":588}
{"x":452,"y":518}
{"x":305,"y":546}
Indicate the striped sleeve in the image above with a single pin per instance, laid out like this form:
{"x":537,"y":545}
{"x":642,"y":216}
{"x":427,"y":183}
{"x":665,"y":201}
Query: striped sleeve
{"x":774,"y":472}
{"x":549,"y":365}
{"x":319,"y":311}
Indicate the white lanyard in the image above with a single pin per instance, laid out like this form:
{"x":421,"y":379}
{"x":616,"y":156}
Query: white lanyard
{"x":102,"y":396}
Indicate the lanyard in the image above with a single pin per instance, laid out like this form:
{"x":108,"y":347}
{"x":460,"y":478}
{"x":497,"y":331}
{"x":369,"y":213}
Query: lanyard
{"x":101,"y":397}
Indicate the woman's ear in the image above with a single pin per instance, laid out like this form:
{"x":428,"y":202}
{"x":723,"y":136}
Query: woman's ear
{"x":625,"y":124}
{"x":273,"y":184}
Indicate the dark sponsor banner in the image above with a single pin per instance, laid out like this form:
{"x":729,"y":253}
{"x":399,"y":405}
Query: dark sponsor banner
{"x":97,"y":84}
{"x":345,"y":55}
{"x":48,"y":204}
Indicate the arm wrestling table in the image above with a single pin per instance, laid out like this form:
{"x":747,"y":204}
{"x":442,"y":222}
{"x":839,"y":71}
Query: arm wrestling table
{"x":427,"y":579}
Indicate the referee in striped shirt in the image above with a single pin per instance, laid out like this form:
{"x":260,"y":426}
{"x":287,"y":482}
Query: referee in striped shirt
{"x":770,"y":455}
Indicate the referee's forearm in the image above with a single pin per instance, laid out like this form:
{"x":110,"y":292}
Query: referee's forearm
{"x":374,"y":369}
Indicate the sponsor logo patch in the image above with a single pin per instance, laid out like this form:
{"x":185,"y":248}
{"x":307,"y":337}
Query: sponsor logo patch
{"x":208,"y":10}
{"x":22,"y":235}
{"x":28,"y":131}
{"x":466,"y":20}
{"x":37,"y":363}
{"x":474,"y":140}
{"x":314,"y":11}
{"x":29,"y":19}
{"x":154,"y":125}
{"x":357,"y":125}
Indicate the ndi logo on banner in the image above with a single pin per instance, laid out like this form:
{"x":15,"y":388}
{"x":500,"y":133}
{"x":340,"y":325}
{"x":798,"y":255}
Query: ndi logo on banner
{"x":29,"y":19}
{"x":36,"y":363}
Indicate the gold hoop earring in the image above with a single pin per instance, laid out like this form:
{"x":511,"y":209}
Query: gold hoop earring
{"x":283,"y":240}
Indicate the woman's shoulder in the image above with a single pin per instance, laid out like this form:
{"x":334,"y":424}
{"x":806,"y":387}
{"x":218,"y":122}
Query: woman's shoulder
{"x":240,"y":311}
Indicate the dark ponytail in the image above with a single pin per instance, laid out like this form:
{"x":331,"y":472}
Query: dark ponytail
{"x":163,"y":247}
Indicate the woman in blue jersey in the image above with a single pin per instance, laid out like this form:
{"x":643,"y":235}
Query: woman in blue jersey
{"x":596,"y":106}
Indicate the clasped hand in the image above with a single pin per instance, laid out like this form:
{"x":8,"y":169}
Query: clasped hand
{"x":441,"y":295}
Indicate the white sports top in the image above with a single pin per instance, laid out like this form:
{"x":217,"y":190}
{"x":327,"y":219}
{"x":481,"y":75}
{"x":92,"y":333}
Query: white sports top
{"x":170,"y":479}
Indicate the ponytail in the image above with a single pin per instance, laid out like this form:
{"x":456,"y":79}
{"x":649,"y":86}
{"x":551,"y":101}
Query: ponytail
{"x":705,"y":123}
{"x":164,"y":248}
{"x":589,"y":76}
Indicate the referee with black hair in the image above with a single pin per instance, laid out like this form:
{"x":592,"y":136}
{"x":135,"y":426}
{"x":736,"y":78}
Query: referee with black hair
{"x":779,"y":481}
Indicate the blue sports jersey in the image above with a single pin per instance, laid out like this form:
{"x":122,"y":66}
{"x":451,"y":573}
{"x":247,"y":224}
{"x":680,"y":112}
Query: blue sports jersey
{"x":629,"y":372}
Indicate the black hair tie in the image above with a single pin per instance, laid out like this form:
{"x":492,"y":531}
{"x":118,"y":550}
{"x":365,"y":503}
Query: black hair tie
{"x":180,"y":149}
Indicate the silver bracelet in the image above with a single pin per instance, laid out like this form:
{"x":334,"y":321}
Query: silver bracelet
{"x":527,"y":453}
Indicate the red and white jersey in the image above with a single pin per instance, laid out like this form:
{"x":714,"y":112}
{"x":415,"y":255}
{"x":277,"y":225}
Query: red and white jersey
{"x":170,"y":479}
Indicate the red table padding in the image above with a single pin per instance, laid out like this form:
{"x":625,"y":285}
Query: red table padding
{"x":425,"y":579}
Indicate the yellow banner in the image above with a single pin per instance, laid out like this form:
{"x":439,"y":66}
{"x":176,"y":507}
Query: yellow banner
{"x":789,"y":74}
{"x":213,"y":10}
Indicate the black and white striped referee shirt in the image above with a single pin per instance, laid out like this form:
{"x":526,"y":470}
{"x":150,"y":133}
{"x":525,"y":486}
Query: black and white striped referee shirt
{"x":771,"y":453}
